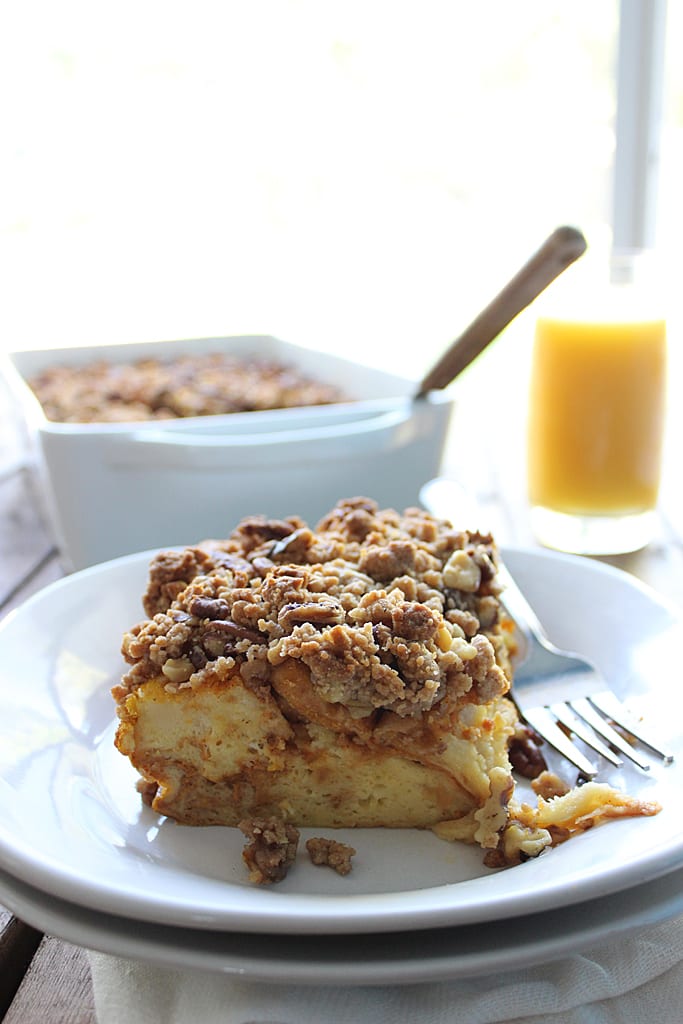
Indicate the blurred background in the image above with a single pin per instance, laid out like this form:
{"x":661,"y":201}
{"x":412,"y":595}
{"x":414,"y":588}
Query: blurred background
{"x":359,"y":176}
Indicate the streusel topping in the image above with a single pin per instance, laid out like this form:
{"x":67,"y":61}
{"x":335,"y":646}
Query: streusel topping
{"x":191,"y":385}
{"x":387,"y":611}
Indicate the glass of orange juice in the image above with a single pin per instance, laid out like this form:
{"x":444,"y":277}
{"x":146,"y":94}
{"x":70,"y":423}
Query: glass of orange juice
{"x":596,"y":426}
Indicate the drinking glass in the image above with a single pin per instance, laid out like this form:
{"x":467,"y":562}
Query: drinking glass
{"x":596,"y":423}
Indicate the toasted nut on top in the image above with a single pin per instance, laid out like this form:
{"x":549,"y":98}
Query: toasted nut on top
{"x":461,"y":572}
{"x":177,"y":670}
{"x":444,"y":637}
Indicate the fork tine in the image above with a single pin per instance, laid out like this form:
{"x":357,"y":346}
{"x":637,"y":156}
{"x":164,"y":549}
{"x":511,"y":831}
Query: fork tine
{"x":564,"y":714}
{"x":545,"y":670}
{"x":585,"y":709}
{"x":609,"y":705}
{"x":543,"y":721}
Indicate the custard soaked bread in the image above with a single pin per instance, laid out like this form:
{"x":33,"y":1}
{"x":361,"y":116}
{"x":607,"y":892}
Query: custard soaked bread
{"x":351,"y":675}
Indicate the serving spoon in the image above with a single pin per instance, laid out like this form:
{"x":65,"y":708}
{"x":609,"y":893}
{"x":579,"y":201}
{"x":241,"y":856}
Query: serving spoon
{"x":558,"y":252}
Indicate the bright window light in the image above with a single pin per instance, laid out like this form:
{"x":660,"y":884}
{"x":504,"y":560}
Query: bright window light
{"x":360,"y":175}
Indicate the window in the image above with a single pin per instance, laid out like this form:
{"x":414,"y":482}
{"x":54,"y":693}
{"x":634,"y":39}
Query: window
{"x":359,"y":175}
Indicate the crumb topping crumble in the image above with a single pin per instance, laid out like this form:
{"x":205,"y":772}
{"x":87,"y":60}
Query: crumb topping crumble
{"x":191,"y":385}
{"x":270,"y":850}
{"x":330,"y":853}
{"x":387,"y":611}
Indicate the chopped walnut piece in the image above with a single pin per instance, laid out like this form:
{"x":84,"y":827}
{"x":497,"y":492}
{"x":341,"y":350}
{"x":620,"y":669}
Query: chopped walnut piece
{"x":525,"y":756}
{"x":271,"y":850}
{"x":461,"y":572}
{"x":331,"y":853}
{"x":547,"y":785}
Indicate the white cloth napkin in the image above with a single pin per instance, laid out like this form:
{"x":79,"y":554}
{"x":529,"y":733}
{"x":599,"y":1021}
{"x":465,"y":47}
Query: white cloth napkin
{"x":633,"y":980}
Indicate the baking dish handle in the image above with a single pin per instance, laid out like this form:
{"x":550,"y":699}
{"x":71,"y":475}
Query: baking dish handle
{"x":178,"y":449}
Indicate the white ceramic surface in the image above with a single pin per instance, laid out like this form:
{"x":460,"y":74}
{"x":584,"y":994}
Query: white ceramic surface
{"x":111,"y":489}
{"x":72,"y":824}
{"x":407,"y":958}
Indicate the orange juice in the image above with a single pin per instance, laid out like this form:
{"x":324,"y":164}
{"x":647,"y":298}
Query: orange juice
{"x":596,"y":416}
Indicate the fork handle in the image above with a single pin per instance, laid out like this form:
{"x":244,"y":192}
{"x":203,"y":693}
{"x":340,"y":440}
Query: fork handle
{"x":518,"y":606}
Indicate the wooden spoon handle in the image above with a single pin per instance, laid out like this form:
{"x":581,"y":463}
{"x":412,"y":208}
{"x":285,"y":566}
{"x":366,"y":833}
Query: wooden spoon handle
{"x":559,"y":251}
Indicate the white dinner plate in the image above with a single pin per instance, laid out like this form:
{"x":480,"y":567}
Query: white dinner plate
{"x":438,"y":954}
{"x":72,"y":824}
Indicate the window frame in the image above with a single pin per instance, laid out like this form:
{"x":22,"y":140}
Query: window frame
{"x":638,"y":127}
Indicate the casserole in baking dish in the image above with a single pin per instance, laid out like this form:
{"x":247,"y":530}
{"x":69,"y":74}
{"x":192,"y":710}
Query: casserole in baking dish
{"x":111,"y":488}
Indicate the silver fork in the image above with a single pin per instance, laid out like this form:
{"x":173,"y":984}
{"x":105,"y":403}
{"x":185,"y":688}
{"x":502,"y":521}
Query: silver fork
{"x":559,"y":692}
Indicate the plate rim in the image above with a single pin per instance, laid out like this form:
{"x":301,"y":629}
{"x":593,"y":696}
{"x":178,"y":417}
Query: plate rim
{"x":604,"y":918}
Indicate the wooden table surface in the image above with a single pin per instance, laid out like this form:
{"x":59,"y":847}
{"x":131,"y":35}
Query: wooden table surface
{"x":43,"y":978}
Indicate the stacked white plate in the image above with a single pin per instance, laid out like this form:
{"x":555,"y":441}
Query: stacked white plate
{"x":82,"y":858}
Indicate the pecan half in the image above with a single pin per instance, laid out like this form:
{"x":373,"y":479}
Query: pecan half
{"x":319,"y":613}
{"x":210,"y":608}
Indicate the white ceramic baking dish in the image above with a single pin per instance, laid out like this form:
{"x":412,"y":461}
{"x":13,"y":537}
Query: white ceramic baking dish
{"x":112,"y":489}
